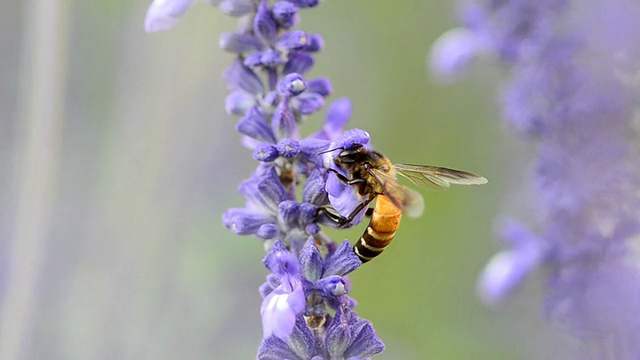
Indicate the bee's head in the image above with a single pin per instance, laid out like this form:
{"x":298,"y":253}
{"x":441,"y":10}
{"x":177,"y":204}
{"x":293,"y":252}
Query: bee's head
{"x":350,"y":155}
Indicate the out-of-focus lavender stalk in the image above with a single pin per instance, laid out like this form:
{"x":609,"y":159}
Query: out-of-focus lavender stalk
{"x":306,"y":312}
{"x":574,"y":89}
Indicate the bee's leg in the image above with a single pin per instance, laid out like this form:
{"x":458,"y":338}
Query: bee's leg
{"x":340,"y":220}
{"x":330,"y":213}
{"x":345,"y":179}
{"x":347,"y":220}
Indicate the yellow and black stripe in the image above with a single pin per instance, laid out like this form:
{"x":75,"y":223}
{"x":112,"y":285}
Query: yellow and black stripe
{"x":385,"y":220}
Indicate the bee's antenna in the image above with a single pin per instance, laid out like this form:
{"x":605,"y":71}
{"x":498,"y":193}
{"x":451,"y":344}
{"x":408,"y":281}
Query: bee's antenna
{"x":330,"y":150}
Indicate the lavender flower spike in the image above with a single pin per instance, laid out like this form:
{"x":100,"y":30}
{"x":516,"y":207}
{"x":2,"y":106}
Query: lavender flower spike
{"x":306,"y":309}
{"x":574,"y":90}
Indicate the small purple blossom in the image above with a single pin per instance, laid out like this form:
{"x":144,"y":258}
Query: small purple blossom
{"x":570,"y":90}
{"x":165,"y":14}
{"x":286,"y":302}
{"x":343,"y":197}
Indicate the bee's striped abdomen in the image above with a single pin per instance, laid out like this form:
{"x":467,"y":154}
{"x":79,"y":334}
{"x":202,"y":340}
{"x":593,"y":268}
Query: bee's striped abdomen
{"x":381,"y":230}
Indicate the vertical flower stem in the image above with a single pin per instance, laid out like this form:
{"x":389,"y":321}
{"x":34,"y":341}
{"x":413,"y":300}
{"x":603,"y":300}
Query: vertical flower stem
{"x":39,"y":123}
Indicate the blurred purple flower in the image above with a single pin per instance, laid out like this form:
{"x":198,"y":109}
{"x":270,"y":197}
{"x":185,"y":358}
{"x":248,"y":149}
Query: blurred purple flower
{"x":165,"y":14}
{"x":574,"y":90}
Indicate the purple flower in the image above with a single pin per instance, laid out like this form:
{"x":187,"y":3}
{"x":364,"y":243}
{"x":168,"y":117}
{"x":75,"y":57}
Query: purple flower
{"x":344,"y":198}
{"x":286,"y":302}
{"x":561,"y":57}
{"x":507,"y":269}
{"x":310,"y":331}
{"x":306,"y":310}
{"x":165,"y":14}
{"x":452,"y":52}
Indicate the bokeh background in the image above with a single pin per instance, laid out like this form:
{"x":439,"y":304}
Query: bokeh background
{"x":117,"y":161}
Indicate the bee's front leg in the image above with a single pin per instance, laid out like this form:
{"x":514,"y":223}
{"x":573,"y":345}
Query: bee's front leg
{"x":345,"y":179}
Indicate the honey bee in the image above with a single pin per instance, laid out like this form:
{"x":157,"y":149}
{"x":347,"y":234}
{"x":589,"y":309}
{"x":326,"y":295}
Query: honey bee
{"x":375,"y":177}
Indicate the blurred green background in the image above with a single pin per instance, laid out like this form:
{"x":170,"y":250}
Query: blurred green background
{"x":112,"y":245}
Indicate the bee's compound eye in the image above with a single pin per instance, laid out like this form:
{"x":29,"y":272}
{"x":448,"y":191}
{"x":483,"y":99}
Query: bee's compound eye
{"x":351,"y":151}
{"x":348,"y":153}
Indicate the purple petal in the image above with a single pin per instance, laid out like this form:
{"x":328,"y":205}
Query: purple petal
{"x":164,"y":14}
{"x":311,"y":261}
{"x":338,"y":336}
{"x":307,"y":213}
{"x":280,"y":309}
{"x":352,"y":137}
{"x":255,"y":125}
{"x":240,"y":76}
{"x":302,"y":341}
{"x":313,"y":191}
{"x":271,"y":58}
{"x":304,"y":3}
{"x":253,"y":60}
{"x":289,"y":148}
{"x":271,"y":100}
{"x":507,"y":269}
{"x":264,"y":191}
{"x":314,"y":43}
{"x":238,"y":102}
{"x":320,"y":86}
{"x":312,"y":229}
{"x":311,"y":147}
{"x":266,"y":153}
{"x":344,"y":198}
{"x":293,"y":40}
{"x":307,"y":103}
{"x":264,"y":24}
{"x":289,"y":211}
{"x":270,"y":191}
{"x":243,"y":221}
{"x":298,"y":62}
{"x":283,"y":121}
{"x":337,"y":117}
{"x":342,"y":261}
{"x":365,"y":343}
{"x":239,"y":43}
{"x":236,"y":8}
{"x":275,"y":348}
{"x":291,"y":85}
{"x":267,"y":231}
{"x":332,"y":286}
{"x":285,"y":13}
{"x":266,"y":288}
{"x":269,"y":261}
{"x":452,"y":52}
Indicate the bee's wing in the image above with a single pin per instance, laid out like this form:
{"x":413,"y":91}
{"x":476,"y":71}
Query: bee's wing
{"x":407,"y":200}
{"x":438,"y":178}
